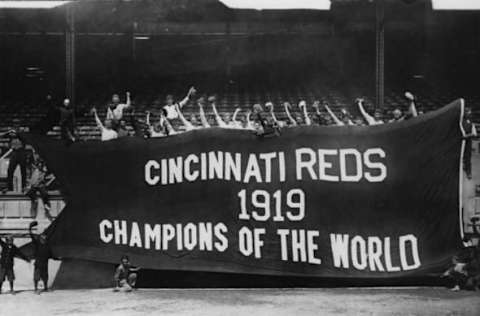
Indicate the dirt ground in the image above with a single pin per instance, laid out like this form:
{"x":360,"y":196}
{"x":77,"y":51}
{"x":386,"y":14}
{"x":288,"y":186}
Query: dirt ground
{"x":351,"y":301}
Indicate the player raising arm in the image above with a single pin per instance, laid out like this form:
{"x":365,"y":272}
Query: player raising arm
{"x":249,"y":124}
{"x":220,"y":122}
{"x":170,"y":108}
{"x":303,"y":107}
{"x":333,"y":116}
{"x":370,"y":119}
{"x":203,"y":118}
{"x":186,"y":124}
{"x":115,"y":109}
{"x":287,"y":106}
{"x":411,"y":106}
{"x":236,"y":123}
{"x":107,"y":130}
{"x":156,"y":130}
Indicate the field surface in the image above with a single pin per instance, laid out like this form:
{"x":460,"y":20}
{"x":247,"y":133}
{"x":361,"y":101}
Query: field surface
{"x":347,"y":301}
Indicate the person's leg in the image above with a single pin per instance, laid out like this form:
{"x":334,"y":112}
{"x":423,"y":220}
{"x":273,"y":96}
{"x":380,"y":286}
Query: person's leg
{"x":12,"y":165}
{"x":46,"y":201}
{"x":132,"y":279}
{"x":36,"y":277}
{"x":23,"y":168}
{"x":44,"y":277}
{"x":11,"y":279}
{"x":32,"y":195}
{"x":2,"y":278}
{"x":467,"y":158}
{"x":124,"y":286}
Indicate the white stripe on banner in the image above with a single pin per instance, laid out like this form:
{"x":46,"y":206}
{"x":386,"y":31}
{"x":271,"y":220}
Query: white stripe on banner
{"x":278,"y":4}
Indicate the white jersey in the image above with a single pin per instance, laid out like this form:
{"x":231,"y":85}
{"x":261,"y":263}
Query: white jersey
{"x":108,"y":134}
{"x":170,"y":112}
{"x":117,"y":112}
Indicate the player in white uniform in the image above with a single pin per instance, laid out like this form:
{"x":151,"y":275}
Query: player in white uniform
{"x":115,"y":109}
{"x":170,"y":110}
{"x":107,"y":131}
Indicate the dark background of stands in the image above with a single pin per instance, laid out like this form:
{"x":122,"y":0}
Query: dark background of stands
{"x":245,"y":56}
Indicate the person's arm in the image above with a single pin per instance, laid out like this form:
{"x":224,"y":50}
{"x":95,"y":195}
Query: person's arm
{"x":303,"y":106}
{"x":411,"y":107}
{"x":333,"y":116}
{"x":235,"y":114}
{"x":21,"y":255}
{"x":370,"y":120}
{"x":128,"y":103}
{"x":289,"y":116}
{"x":185,"y":122}
{"x":249,"y":124}
{"x":218,"y":118}
{"x":147,"y":119}
{"x":110,"y":115}
{"x":30,"y":232}
{"x":2,"y":243}
{"x":347,"y":115}
{"x":168,"y":126}
{"x":203,"y":118}
{"x":187,"y":98}
{"x":97,"y":120}
{"x":269,"y":106}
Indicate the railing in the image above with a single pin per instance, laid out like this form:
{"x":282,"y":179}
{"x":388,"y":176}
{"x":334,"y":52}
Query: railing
{"x":16,"y":213}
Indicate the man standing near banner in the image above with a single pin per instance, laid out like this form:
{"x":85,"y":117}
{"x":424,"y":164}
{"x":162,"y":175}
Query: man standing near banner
{"x":9,"y":252}
{"x":42,"y":253}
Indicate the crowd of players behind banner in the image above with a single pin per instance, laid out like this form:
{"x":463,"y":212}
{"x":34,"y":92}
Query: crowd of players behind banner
{"x":121,"y":121}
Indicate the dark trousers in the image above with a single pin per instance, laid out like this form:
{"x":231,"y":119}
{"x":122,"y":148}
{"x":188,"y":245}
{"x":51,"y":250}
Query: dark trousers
{"x":32,"y":194}
{"x":467,"y":157}
{"x":18,"y":157}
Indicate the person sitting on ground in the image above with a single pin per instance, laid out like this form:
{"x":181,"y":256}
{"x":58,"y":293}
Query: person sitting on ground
{"x":38,"y":183}
{"x":115,"y":109}
{"x":303,"y":107}
{"x":125,"y":275}
{"x":337,"y":121}
{"x":107,"y":131}
{"x":456,"y":274}
{"x":9,"y":252}
{"x":170,"y":108}
{"x":287,"y":106}
{"x":41,"y":253}
{"x":371,"y":120}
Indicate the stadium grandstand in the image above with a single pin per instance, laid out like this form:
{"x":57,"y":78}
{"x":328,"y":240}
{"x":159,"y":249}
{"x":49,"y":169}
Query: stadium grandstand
{"x":89,"y":50}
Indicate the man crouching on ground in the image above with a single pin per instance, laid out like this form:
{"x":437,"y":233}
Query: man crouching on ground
{"x":125,"y":275}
